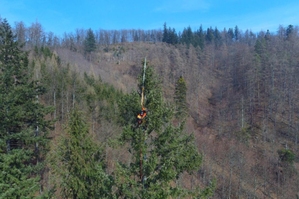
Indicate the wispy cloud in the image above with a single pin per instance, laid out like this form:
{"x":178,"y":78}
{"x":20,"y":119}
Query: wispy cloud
{"x":174,"y":6}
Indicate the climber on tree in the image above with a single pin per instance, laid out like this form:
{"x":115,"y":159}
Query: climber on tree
{"x":141,"y":115}
{"x":143,"y":112}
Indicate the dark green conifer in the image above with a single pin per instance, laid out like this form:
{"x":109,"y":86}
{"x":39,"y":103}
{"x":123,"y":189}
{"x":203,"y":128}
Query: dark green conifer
{"x":23,"y":128}
{"x":160,"y":152}
{"x":89,"y":42}
{"x":77,"y":163}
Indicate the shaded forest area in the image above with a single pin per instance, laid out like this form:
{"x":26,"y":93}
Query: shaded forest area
{"x":241,"y":95}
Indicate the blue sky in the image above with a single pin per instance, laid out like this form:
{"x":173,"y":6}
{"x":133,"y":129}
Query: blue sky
{"x":61,"y":16}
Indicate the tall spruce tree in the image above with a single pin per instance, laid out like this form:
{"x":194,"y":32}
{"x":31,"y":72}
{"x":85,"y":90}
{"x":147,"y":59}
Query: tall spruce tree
{"x":89,"y":42}
{"x":77,"y":163}
{"x":160,"y":152}
{"x":200,"y":37}
{"x":169,"y":35}
{"x":187,"y":36}
{"x":165,"y":33}
{"x":23,"y":128}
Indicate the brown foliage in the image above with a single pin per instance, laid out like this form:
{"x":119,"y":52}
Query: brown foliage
{"x":242,"y":102}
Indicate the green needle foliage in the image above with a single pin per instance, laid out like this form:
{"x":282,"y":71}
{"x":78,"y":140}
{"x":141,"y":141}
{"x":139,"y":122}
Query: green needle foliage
{"x":77,"y":163}
{"x":160,"y":151}
{"x":89,"y":42}
{"x":286,"y":155}
{"x":23,"y":128}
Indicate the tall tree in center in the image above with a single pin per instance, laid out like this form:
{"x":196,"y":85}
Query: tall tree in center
{"x":160,"y":151}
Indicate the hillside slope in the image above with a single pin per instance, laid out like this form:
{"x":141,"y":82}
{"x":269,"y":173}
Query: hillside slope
{"x":229,"y":104}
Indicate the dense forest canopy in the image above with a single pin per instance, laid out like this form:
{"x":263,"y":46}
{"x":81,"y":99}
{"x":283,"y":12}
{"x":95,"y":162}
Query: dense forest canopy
{"x":229,"y":94}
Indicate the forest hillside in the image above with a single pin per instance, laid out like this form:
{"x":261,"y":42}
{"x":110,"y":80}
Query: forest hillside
{"x":241,"y":100}
{"x":241,"y":95}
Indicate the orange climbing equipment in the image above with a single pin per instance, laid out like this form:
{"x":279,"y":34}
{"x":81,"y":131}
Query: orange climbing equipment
{"x":143,"y":112}
{"x":141,"y":116}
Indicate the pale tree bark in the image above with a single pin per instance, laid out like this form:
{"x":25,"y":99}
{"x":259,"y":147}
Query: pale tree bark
{"x":20,"y":31}
{"x":36,"y":34}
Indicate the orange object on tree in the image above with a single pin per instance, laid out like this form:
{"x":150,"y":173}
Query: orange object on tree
{"x":142,"y":114}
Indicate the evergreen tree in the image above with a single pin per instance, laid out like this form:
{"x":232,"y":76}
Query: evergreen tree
{"x":217,"y":37}
{"x":169,"y":35}
{"x":165,"y":33}
{"x":237,"y":34}
{"x":200,"y":37}
{"x":230,"y":35}
{"x":173,"y":37}
{"x":160,"y":152}
{"x":89,"y":42}
{"x":180,"y":98}
{"x":78,"y":163}
{"x":23,"y":128}
{"x":289,"y":31}
{"x":187,"y":36}
{"x":210,"y":35}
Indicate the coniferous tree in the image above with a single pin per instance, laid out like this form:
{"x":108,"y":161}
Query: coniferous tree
{"x":89,"y":42}
{"x":169,"y":35}
{"x":210,"y":35}
{"x":289,"y":31}
{"x":237,"y":33}
{"x":187,"y":36}
{"x":78,"y":163}
{"x":165,"y":33}
{"x":160,"y":152}
{"x":230,"y":35}
{"x":173,"y":38}
{"x":200,"y":37}
{"x":23,"y":128}
{"x":217,"y":37}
